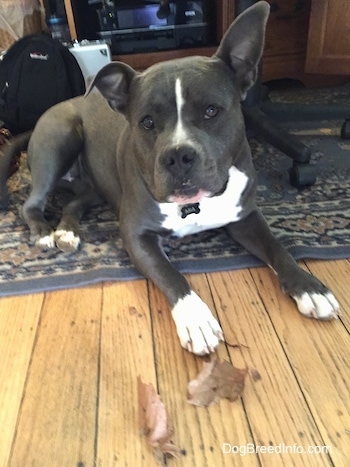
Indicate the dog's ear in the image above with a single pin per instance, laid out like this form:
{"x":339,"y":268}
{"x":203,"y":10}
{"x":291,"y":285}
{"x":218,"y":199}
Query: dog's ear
{"x":242,"y":46}
{"x":113,"y":82}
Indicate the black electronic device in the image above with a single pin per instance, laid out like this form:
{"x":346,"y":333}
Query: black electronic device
{"x":142,"y":26}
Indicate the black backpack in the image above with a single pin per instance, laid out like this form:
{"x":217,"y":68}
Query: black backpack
{"x":36,"y":73}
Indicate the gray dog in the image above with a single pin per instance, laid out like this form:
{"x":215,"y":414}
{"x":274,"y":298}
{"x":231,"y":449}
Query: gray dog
{"x":170,"y":155}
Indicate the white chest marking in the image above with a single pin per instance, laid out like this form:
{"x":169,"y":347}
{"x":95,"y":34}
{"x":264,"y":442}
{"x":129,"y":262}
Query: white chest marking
{"x":180,"y":136}
{"x":214,"y":212}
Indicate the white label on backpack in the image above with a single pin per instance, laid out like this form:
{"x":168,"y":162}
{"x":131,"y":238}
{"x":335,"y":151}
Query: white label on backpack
{"x":38,"y":56}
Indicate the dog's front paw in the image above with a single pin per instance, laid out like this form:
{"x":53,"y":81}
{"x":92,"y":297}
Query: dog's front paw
{"x":67,"y":240}
{"x":318,"y":305}
{"x":312,"y":297}
{"x":198,"y":330}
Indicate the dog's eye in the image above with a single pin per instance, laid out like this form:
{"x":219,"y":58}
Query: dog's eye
{"x":148,"y":123}
{"x":211,"y":112}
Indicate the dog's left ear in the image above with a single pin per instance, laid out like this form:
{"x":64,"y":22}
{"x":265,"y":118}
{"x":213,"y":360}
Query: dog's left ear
{"x":113,"y":81}
{"x":242,"y":46}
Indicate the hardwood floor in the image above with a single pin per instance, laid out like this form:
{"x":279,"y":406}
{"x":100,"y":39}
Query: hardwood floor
{"x":71,"y":358}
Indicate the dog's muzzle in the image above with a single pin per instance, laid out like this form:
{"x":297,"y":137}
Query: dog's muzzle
{"x":180,"y":160}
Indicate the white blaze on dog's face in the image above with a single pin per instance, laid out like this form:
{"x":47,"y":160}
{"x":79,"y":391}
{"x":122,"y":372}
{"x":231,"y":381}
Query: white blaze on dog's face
{"x":180,"y":135}
{"x":181,"y":139}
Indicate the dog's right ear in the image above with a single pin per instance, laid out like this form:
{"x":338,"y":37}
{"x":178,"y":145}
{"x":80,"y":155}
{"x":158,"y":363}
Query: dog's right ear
{"x":113,"y":82}
{"x":243,"y":43}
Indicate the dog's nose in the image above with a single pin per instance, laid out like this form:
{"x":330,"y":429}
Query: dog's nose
{"x":180,"y":160}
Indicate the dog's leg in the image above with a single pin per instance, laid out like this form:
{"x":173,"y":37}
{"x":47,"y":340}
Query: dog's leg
{"x":41,"y":233}
{"x":66,"y":236}
{"x":54,"y":146}
{"x":198,"y":330}
{"x":313,"y":298}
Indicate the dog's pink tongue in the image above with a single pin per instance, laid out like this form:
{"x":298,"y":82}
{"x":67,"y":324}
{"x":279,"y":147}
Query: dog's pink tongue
{"x":189,"y":199}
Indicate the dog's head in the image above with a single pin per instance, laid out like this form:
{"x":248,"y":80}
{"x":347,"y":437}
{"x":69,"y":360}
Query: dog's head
{"x":185,"y":116}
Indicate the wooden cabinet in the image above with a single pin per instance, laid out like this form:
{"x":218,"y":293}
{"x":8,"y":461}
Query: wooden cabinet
{"x":328,"y":50}
{"x":286,"y":39}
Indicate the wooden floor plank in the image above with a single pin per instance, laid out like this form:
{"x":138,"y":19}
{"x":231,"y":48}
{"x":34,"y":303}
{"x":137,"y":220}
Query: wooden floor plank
{"x":277,"y":414}
{"x":19,"y":317}
{"x":126,"y":352}
{"x":199,"y":432}
{"x":319,"y":355}
{"x":57,"y":419}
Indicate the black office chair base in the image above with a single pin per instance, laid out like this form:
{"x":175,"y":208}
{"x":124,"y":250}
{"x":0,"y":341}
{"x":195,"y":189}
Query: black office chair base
{"x":257,"y":118}
{"x":302,"y":175}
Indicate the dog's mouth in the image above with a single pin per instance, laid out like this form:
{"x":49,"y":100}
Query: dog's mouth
{"x":192,"y":195}
{"x":183,"y":198}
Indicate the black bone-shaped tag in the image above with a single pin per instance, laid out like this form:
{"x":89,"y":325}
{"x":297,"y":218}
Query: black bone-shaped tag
{"x":190,"y":209}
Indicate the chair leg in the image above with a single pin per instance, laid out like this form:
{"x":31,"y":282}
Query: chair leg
{"x":263,"y":125}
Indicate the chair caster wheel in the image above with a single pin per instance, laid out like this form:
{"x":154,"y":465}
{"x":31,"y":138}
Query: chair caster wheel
{"x":345,"y":129}
{"x":302,"y":175}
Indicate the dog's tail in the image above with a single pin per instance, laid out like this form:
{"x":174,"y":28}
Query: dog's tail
{"x":8,"y":151}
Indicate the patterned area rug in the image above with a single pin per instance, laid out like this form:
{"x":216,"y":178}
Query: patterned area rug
{"x":312,"y":223}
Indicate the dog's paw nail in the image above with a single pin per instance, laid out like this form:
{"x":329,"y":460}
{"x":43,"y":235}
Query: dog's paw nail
{"x":220,"y":336}
{"x":329,"y":317}
{"x":334,"y":303}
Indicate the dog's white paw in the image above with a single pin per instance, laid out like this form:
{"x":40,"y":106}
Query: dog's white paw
{"x":48,"y":241}
{"x":198,"y":330}
{"x":318,"y":305}
{"x":66,"y":240}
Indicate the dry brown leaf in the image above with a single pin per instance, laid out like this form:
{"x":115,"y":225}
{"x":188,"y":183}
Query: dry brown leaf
{"x":154,"y":421}
{"x":216,"y":380}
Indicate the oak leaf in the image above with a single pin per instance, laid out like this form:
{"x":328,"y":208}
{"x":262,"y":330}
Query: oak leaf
{"x":154,"y":421}
{"x":217,"y":379}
